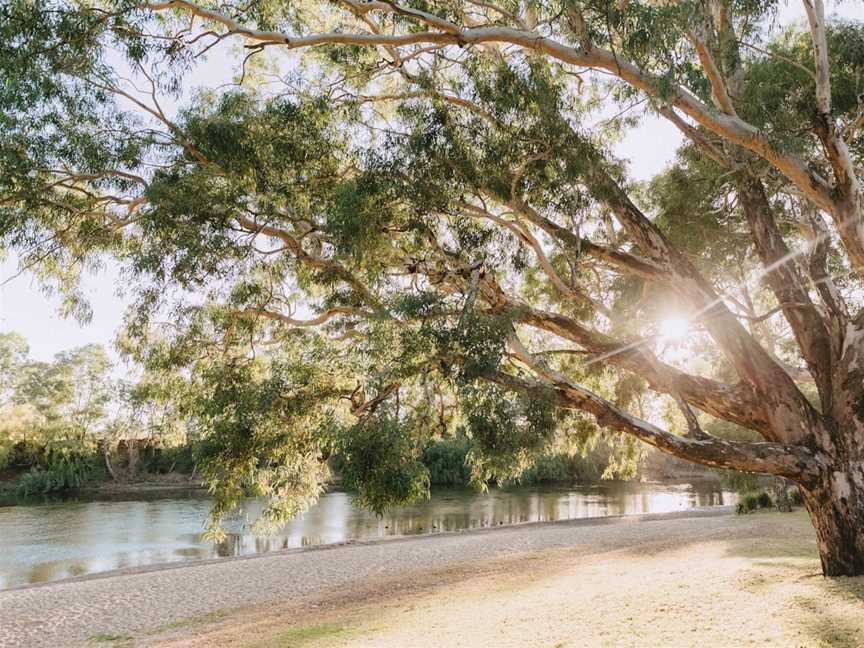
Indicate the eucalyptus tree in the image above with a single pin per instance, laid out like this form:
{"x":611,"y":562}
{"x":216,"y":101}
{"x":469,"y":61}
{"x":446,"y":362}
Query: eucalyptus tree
{"x":13,"y":354}
{"x":406,"y":217}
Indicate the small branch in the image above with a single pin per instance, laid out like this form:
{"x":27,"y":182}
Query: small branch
{"x":715,"y":78}
{"x":780,"y":57}
{"x":694,"y":430}
{"x":315,"y":321}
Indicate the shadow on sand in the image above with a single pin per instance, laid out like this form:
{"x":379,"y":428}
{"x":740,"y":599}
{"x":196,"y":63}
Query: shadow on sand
{"x":787,"y":560}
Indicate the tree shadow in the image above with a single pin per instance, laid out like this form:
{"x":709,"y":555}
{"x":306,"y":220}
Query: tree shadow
{"x":835,"y":631}
{"x":797,"y":556}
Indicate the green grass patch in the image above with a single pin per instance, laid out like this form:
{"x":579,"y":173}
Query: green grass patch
{"x":304,"y":635}
{"x":107,"y":637}
{"x":210,"y":617}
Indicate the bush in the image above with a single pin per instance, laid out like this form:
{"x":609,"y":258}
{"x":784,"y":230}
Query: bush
{"x":740,"y":482}
{"x":62,"y":469}
{"x":561,"y":467}
{"x":7,"y":452}
{"x":749,"y":502}
{"x":179,"y":459}
{"x":446,"y":461}
{"x":795,"y":497}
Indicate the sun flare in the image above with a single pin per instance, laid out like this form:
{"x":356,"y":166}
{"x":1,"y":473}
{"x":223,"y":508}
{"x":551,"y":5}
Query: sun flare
{"x":674,"y":327}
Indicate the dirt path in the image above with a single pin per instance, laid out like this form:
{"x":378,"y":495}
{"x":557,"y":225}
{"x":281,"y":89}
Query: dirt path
{"x":568,"y":584}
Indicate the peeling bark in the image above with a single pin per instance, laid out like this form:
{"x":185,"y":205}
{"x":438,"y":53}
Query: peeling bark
{"x":836,"y":507}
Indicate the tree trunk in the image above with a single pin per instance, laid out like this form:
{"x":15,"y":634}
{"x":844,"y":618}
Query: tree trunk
{"x":781,"y":497}
{"x":106,"y":456}
{"x":836,"y":510}
{"x":132,"y":467}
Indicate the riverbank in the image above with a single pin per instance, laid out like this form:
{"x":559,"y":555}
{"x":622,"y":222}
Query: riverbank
{"x":183,"y":483}
{"x":690,"y":579}
{"x":141,"y":467}
{"x":50,"y":539}
{"x":145,"y":483}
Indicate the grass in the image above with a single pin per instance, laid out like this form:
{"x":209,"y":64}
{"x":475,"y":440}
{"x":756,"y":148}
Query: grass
{"x":107,"y":637}
{"x":201,"y":619}
{"x":304,"y":635}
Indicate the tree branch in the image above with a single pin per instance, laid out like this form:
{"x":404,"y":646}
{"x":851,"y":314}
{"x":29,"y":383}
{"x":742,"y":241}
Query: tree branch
{"x":715,"y":78}
{"x":253,"y":227}
{"x":848,"y":211}
{"x":526,"y":237}
{"x":791,"y":461}
{"x":788,"y":406}
{"x":323,"y":318}
{"x":578,"y":245}
{"x":782,"y":276}
{"x":730,"y":127}
{"x":738,"y":404}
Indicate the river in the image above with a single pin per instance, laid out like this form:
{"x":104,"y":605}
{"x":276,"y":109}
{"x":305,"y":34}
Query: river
{"x":51,"y":540}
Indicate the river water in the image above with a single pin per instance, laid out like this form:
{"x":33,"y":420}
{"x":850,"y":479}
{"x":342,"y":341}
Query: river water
{"x":48,"y":541}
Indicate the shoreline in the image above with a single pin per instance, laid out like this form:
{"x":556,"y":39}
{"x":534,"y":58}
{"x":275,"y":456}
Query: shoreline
{"x":643,"y":576}
{"x":109,"y":489}
{"x":695,"y":512}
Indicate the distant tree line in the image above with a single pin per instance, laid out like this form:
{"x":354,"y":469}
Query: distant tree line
{"x":70,"y":420}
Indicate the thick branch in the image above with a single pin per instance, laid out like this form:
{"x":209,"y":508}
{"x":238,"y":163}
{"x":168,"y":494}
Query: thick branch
{"x":816,"y":17}
{"x":738,"y":404}
{"x":791,"y":412}
{"x":816,"y":233}
{"x":849,"y":210}
{"x":718,"y":83}
{"x":790,"y":461}
{"x":782,"y":276}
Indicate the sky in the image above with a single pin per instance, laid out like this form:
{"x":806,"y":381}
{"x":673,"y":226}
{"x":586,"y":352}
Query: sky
{"x":28,"y":311}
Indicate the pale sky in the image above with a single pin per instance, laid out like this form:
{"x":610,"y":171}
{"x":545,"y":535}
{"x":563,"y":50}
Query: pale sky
{"x":23,"y":308}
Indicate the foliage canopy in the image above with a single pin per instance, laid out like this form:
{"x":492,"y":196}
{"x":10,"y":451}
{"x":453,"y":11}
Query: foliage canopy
{"x":406,"y":219}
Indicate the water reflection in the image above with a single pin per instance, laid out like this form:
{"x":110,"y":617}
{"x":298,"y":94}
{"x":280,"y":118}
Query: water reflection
{"x":51,"y":541}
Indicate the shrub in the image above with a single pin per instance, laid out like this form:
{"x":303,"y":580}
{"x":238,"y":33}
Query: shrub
{"x":561,"y":467}
{"x":746,"y":504}
{"x":7,"y":452}
{"x":795,"y":497}
{"x":740,"y":482}
{"x":179,"y":459}
{"x":749,"y":502}
{"x":446,"y":460}
{"x":61,"y":469}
